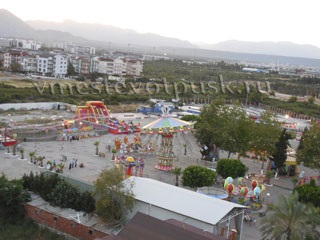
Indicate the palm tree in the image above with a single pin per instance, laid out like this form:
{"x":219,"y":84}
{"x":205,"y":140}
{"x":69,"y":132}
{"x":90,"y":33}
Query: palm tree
{"x":14,"y":148}
{"x":288,"y":220}
{"x":21,"y":150}
{"x":114,"y":151}
{"x":185,"y":149}
{"x":96,"y":143}
{"x":314,"y":221}
{"x":31,"y":155}
{"x":177,"y":171}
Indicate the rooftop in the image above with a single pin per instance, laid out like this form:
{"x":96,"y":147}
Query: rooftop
{"x":185,"y":202}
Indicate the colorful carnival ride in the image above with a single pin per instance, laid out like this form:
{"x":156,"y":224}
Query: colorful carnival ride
{"x":97,"y":114}
{"x":6,"y":141}
{"x":166,"y":126}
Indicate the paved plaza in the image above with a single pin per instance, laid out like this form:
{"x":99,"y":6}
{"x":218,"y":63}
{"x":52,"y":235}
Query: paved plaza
{"x":84,"y":151}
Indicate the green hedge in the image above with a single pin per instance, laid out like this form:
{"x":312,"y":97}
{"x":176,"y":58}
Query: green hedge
{"x":58,"y":192}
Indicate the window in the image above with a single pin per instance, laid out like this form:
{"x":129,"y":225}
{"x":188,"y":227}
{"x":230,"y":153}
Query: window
{"x":55,"y":218}
{"x":90,"y":231}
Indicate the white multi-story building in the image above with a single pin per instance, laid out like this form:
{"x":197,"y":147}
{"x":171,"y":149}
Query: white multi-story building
{"x":12,"y":57}
{"x":29,"y":63}
{"x":118,"y":66}
{"x":44,"y":65}
{"x":134,"y":67}
{"x":6,"y":60}
{"x":71,"y":48}
{"x":103,"y":65}
{"x":5,"y":42}
{"x":25,"y":44}
{"x":60,"y":66}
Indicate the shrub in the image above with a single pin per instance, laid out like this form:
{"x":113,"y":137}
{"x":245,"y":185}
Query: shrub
{"x":58,"y":192}
{"x":309,"y":193}
{"x":197,"y":176}
{"x":231,"y":168}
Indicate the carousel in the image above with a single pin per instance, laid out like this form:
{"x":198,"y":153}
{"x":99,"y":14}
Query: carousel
{"x":166,"y":126}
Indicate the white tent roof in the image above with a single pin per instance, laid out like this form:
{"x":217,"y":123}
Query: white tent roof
{"x":182,"y":201}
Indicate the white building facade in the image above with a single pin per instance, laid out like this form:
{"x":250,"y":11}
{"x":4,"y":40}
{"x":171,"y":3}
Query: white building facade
{"x":60,"y":66}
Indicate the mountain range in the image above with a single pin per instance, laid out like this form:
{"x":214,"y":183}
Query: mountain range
{"x":268,"y":48}
{"x":100,"y":35}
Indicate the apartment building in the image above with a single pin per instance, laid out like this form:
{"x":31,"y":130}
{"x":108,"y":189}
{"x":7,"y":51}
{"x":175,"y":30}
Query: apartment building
{"x":55,"y":63}
{"x":117,"y":66}
{"x":24,"y":44}
{"x":76,"y":49}
{"x":29,"y":63}
{"x":81,"y":64}
{"x":85,"y":65}
{"x":11,"y":57}
{"x":102,"y":65}
{"x":60,"y":66}
{"x":134,"y":67}
{"x":44,"y":64}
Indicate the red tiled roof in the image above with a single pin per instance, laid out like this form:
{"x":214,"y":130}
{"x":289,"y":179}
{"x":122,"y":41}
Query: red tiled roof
{"x":144,"y":227}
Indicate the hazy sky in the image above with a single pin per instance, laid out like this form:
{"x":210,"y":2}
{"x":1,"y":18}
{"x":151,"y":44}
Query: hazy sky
{"x":208,"y":21}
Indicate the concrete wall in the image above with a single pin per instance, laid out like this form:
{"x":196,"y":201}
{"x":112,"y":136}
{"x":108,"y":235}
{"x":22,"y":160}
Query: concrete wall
{"x":36,"y":105}
{"x":62,"y":224}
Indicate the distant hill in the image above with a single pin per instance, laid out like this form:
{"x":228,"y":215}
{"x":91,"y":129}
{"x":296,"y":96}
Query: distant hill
{"x":268,"y":48}
{"x":110,"y":34}
{"x":102,"y":36}
{"x":11,"y":26}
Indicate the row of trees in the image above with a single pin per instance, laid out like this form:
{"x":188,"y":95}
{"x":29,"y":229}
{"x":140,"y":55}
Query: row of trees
{"x":230,"y":129}
{"x":58,"y":192}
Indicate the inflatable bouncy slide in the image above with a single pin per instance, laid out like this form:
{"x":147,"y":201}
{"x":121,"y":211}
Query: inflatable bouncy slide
{"x":93,"y":111}
{"x":96,"y":113}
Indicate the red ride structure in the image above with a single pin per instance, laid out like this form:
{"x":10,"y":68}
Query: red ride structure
{"x":97,"y":114}
{"x":7,"y":141}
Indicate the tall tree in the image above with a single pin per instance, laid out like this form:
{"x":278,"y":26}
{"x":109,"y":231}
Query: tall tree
{"x":265,"y":134}
{"x":310,"y":153}
{"x":280,"y":154}
{"x":288,"y":220}
{"x":70,"y":70}
{"x":114,"y":200}
{"x":15,"y":67}
{"x":300,"y":146}
{"x":227,"y":127}
{"x":12,"y":197}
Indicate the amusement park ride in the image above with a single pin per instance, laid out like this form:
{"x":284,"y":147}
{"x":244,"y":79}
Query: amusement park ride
{"x":166,"y":126}
{"x":6,"y":141}
{"x":97,"y":114}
